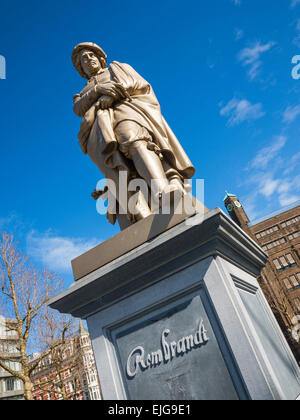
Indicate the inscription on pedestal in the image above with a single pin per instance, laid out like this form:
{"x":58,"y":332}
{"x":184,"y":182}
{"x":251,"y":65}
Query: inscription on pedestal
{"x":167,"y":352}
{"x":174,"y":355}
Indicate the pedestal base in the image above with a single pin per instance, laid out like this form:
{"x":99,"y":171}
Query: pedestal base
{"x":182,"y":317}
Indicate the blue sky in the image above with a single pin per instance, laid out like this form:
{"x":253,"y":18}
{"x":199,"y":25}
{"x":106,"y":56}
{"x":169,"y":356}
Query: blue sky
{"x":221,"y":70}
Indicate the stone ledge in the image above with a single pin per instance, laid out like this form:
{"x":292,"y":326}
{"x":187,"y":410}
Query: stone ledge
{"x":127,"y":240}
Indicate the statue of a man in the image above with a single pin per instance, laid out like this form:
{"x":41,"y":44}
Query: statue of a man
{"x":122,"y":127}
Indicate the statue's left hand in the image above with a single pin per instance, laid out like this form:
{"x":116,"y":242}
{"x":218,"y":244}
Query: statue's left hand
{"x":105,"y":102}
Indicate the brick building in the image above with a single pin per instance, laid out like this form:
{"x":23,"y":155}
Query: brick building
{"x":279,"y":236}
{"x":70,"y":373}
{"x":11,"y":388}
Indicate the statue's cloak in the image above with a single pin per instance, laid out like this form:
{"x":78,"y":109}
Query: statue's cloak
{"x":143,"y":108}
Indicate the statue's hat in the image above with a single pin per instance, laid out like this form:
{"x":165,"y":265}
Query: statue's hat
{"x":86,"y":46}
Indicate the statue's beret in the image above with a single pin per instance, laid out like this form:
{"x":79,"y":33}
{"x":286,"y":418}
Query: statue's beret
{"x":86,"y":46}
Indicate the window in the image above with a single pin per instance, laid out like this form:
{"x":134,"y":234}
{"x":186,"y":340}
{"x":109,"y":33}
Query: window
{"x":92,"y":377}
{"x":290,"y":221}
{"x":297,"y":303}
{"x":267,"y":231}
{"x":287,"y":283}
{"x":85,"y":341}
{"x":72,"y":386}
{"x":94,"y":394}
{"x":284,"y":262}
{"x":16,"y":366}
{"x":271,"y":245}
{"x":11,"y":333}
{"x":294,"y":235}
{"x":5,"y":330}
{"x":292,"y":282}
{"x":11,"y":384}
{"x":7,"y":347}
{"x":290,"y":259}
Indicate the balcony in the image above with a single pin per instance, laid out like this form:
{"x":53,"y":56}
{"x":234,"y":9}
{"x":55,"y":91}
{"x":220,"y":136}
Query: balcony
{"x":11,"y":395}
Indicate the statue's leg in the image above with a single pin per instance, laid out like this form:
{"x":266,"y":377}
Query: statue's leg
{"x":149,"y":167}
{"x":134,"y":140}
{"x":94,"y":149}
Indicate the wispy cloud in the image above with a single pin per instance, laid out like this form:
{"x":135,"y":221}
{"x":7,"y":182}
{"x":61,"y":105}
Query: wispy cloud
{"x":237,"y":2}
{"x":11,"y":222}
{"x":270,"y":183}
{"x":293,"y":164}
{"x":291,"y":113}
{"x":4,"y":221}
{"x":238,"y":34}
{"x":294,"y":3}
{"x":240,"y":110}
{"x":56,"y":252}
{"x":267,"y":154}
{"x":250,"y":57}
{"x":286,"y":200}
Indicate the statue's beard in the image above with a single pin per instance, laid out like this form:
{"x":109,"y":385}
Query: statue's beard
{"x":93,"y":68}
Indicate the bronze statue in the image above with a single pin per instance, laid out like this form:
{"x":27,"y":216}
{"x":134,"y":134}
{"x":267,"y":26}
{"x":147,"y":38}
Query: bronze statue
{"x":122,"y":128}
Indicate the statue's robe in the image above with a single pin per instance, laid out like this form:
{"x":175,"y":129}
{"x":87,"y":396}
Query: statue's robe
{"x":97,"y":136}
{"x":143,"y":108}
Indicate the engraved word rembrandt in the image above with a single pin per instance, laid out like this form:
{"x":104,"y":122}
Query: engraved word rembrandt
{"x":123,"y":129}
{"x":168,"y":351}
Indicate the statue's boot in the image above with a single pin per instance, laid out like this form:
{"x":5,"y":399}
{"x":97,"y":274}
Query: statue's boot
{"x":140,"y":208}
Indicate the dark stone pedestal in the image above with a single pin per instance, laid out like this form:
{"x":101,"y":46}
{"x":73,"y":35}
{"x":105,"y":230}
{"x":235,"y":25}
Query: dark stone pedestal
{"x":182,"y":317}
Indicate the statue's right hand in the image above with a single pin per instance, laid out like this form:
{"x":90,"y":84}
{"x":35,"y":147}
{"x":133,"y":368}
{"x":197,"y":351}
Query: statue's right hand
{"x":107,"y":89}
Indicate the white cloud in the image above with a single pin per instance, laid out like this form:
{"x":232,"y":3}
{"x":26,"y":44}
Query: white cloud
{"x":286,"y":199}
{"x":250,"y":56}
{"x":268,"y":186}
{"x":286,"y":192}
{"x":56,"y":252}
{"x":291,"y":113}
{"x":267,"y":154}
{"x":240,"y":110}
{"x":272,"y":184}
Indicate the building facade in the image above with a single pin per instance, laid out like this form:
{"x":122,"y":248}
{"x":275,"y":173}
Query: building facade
{"x":11,"y":388}
{"x":70,"y":373}
{"x":279,"y":236}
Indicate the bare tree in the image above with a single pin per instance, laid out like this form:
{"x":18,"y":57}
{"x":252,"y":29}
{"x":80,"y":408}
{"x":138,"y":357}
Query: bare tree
{"x":60,"y":365}
{"x":24,"y":293}
{"x":60,"y":370}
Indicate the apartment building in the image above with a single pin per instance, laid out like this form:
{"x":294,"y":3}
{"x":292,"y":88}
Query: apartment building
{"x":72,"y":372}
{"x":11,"y":388}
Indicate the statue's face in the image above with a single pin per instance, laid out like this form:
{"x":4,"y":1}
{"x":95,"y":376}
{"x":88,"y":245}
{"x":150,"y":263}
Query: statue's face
{"x":90,"y":63}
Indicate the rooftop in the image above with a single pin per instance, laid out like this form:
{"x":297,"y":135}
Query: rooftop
{"x":275,"y":213}
{"x":228,"y":195}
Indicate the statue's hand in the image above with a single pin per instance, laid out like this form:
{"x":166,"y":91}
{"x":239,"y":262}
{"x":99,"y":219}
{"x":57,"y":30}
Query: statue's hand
{"x":105,"y":102}
{"x":107,"y":89}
